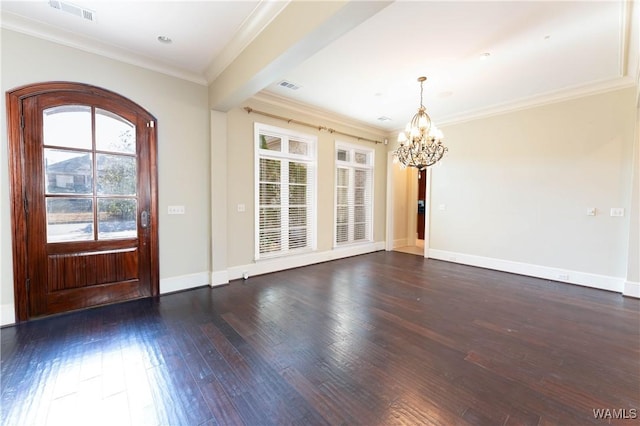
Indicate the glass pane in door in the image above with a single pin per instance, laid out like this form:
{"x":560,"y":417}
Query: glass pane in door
{"x":67,"y":126}
{"x":114,"y":133}
{"x":116,"y":174}
{"x":69,"y":219}
{"x":117,"y":218}
{"x":68,"y":172}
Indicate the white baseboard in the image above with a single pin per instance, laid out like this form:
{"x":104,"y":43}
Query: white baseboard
{"x":219,"y":278}
{"x":400,"y":242}
{"x":602,"y":282}
{"x":631,"y":289}
{"x":279,"y":264}
{"x":7,"y":314}
{"x":184,"y":282}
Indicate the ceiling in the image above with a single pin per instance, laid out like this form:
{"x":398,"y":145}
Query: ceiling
{"x":478,"y":56}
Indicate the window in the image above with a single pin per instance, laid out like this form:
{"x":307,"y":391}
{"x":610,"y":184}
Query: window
{"x":354,"y":194}
{"x":90,"y":163}
{"x":285,"y":191}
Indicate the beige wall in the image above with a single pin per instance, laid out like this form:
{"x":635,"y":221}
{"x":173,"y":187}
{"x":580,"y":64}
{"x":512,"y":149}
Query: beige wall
{"x":405,"y":208}
{"x":181,"y":109}
{"x":400,"y":202}
{"x":517,"y":186}
{"x":219,"y":193}
{"x":240,"y":179}
{"x":633,"y":266}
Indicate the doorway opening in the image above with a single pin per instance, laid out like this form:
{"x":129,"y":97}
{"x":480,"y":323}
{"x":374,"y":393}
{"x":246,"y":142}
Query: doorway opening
{"x":408,"y":209}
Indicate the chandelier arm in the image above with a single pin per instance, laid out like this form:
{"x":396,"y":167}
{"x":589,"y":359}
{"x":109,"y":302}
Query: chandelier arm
{"x":414,"y":161}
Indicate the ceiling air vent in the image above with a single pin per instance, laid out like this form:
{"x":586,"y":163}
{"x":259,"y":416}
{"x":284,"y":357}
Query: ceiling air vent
{"x":288,"y":85}
{"x":72,"y":9}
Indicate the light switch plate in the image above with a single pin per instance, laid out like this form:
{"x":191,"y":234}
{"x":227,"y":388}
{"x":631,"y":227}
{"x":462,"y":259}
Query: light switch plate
{"x":591,"y":211}
{"x":617,"y":211}
{"x":175,"y":210}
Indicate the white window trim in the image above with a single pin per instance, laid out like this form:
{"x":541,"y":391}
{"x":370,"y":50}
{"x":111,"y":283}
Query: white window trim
{"x":352,"y":164}
{"x":311,"y":159}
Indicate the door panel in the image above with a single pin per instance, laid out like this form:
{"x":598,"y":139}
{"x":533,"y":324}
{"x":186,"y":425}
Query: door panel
{"x":89,"y":174}
{"x":68,"y":271}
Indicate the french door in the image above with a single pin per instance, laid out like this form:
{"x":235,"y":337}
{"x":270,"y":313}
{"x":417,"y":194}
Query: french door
{"x":83,"y":172}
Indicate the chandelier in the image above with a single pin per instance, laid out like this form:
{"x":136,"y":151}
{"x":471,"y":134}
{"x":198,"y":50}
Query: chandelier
{"x":421,"y":141}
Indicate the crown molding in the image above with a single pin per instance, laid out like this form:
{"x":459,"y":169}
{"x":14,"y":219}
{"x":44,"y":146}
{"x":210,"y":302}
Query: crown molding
{"x":261,"y":16}
{"x":323,"y":114}
{"x":622,"y":81}
{"x":53,"y":34}
{"x":547,"y":98}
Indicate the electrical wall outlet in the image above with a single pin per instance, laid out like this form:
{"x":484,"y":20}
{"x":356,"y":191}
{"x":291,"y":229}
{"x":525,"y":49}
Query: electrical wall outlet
{"x":591,"y":211}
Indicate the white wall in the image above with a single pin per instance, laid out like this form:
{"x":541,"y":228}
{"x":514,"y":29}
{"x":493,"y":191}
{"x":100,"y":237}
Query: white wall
{"x":517,"y":187}
{"x":181,"y":108}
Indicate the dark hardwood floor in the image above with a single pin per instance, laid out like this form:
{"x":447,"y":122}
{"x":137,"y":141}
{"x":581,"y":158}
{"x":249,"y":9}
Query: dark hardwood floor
{"x":385,"y":338}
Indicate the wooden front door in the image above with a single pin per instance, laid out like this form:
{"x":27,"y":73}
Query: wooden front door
{"x":83,"y":165}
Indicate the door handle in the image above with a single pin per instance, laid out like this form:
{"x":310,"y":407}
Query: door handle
{"x":144,"y":219}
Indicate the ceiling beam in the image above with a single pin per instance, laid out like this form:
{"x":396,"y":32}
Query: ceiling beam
{"x":299,"y":31}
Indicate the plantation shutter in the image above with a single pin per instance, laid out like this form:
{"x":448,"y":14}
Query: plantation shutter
{"x":270,"y":205}
{"x":299,"y":202}
{"x":343,"y":202}
{"x":362,"y":204}
{"x":354,"y":194}
{"x":286,"y":192}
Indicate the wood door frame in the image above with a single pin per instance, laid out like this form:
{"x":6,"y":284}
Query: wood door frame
{"x":422,"y":183}
{"x":17,"y":185}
